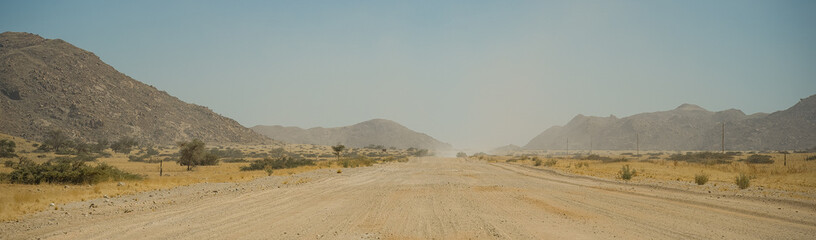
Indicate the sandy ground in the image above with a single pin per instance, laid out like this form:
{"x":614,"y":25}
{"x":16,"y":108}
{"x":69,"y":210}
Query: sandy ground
{"x":426,"y":198}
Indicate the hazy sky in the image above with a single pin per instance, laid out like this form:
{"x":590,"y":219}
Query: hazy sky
{"x":475,"y":74}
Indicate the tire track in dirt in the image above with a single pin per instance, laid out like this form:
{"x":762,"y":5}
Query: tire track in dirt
{"x":425,"y":198}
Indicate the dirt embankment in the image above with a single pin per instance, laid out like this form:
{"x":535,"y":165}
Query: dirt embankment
{"x":426,"y":198}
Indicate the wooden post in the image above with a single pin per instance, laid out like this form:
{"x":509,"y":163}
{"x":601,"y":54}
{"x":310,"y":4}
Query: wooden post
{"x":161,"y":167}
{"x":786,"y":159}
{"x":722,"y":143}
{"x":567,"y":146}
{"x":637,"y":145}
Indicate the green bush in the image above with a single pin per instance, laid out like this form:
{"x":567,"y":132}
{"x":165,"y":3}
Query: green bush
{"x":7,"y":148}
{"x":701,"y":178}
{"x":277,"y":163}
{"x":56,"y":141}
{"x":702,"y":157}
{"x":761,"y":159}
{"x":626,"y":173}
{"x":743,"y":181}
{"x":194,"y":153}
{"x":65,"y":170}
{"x":124,"y":145}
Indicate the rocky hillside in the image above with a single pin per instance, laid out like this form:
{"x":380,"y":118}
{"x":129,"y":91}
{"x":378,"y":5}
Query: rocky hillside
{"x":688,"y":127}
{"x":377,"y":132}
{"x":49,"y":84}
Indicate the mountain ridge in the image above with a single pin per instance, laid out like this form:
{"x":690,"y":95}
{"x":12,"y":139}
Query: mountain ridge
{"x":687,"y":127}
{"x":49,"y":84}
{"x":372,"y":132}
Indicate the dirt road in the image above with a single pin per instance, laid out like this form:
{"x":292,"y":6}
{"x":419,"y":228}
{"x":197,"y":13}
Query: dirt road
{"x":426,"y":198}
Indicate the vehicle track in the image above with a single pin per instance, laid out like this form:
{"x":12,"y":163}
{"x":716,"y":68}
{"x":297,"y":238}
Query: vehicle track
{"x":425,"y":198}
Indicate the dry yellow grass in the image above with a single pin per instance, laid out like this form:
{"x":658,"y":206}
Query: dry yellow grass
{"x":798,"y":175}
{"x":20,"y":199}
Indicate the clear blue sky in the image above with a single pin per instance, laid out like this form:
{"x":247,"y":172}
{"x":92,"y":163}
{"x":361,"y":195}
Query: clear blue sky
{"x":475,"y":74}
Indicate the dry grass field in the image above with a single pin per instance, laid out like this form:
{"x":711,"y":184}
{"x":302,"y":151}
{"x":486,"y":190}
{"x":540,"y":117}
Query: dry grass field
{"x":797,"y":176}
{"x":21,"y":199}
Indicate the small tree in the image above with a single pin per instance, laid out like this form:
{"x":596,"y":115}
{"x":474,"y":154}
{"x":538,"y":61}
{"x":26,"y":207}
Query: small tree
{"x":7,"y":148}
{"x":124,"y":145}
{"x":194,"y":153}
{"x":338,"y":149}
{"x":56,"y":141}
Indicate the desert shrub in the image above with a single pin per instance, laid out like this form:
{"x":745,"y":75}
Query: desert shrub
{"x":7,"y":148}
{"x":85,"y":157}
{"x":761,"y":159}
{"x":376,"y":147}
{"x":461,"y":155}
{"x":614,"y":160}
{"x":137,"y":158}
{"x":702,"y":157}
{"x":357,"y":162}
{"x":581,"y":164}
{"x":743,"y":181}
{"x":56,"y":141}
{"x":395,"y":158}
{"x":538,"y":161}
{"x":277,"y":163}
{"x":811,"y":158}
{"x":653,"y":157}
{"x":626,"y":154}
{"x":194,"y":153}
{"x":8,"y":163}
{"x":733,"y":153}
{"x":701,"y":178}
{"x":418,"y":152}
{"x":65,"y":170}
{"x":227,"y":153}
{"x":124,"y":145}
{"x":151,"y":151}
{"x":626,"y":173}
{"x":550,"y":162}
{"x":603,"y":159}
{"x":234,"y":160}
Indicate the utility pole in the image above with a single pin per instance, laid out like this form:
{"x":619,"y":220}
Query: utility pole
{"x":590,"y":145}
{"x":637,"y":145}
{"x":567,"y":146}
{"x":722,"y":143}
{"x":161,"y":167}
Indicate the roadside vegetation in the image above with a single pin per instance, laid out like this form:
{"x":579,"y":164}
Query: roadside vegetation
{"x":62,"y":169}
{"x":793,"y":171}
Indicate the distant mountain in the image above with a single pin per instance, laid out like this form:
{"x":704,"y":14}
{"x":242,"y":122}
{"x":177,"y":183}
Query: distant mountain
{"x":377,"y":132}
{"x":506,"y":149}
{"x":49,"y":84}
{"x":688,"y":127}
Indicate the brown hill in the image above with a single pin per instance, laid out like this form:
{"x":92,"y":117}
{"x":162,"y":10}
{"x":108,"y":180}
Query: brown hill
{"x":49,"y":84}
{"x":688,"y":127}
{"x":373,"y":132}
